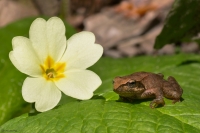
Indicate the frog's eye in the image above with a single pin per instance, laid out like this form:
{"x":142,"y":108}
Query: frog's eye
{"x":132,"y":84}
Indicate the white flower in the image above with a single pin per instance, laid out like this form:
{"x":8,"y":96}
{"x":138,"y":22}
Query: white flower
{"x":55,"y":64}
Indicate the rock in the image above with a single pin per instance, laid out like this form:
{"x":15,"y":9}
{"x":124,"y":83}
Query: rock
{"x":13,"y":10}
{"x":49,"y":7}
{"x":190,"y":47}
{"x":126,"y":34}
{"x":113,"y":53}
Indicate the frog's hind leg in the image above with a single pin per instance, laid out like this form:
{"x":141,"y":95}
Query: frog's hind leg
{"x":172,"y":89}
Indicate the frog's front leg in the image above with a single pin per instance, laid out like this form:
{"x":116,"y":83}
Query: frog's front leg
{"x":172,"y":89}
{"x":154,"y":92}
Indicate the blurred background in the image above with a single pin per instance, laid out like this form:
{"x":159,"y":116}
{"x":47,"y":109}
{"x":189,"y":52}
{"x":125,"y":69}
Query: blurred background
{"x":125,"y":28}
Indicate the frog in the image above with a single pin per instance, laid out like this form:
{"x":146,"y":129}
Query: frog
{"x":146,"y":85}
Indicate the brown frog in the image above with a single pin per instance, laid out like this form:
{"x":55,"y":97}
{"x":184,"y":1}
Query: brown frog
{"x":142,"y":85}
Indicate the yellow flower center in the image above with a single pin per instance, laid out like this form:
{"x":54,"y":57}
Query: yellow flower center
{"x":52,"y":71}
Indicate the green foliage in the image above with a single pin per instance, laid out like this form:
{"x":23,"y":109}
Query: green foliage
{"x":11,"y":101}
{"x":182,"y":23}
{"x":99,"y":116}
{"x":103,"y":113}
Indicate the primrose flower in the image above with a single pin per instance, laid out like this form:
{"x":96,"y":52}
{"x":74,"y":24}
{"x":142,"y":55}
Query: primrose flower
{"x":55,"y":64}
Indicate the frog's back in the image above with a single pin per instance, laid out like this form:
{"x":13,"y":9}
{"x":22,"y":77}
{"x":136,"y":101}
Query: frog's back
{"x":138,"y":76}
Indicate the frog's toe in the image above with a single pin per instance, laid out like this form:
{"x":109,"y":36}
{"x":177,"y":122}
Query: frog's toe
{"x":176,"y":100}
{"x":153,"y":105}
{"x":157,"y":102}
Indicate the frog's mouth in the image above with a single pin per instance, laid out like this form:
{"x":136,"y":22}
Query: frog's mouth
{"x":127,"y":90}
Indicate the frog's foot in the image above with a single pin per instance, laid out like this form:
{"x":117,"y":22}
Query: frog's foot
{"x":176,"y":100}
{"x":156,"y":102}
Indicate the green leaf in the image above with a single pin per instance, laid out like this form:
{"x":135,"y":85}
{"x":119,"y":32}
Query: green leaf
{"x":11,"y":101}
{"x":104,"y":114}
{"x":94,"y":116}
{"x":181,"y":24}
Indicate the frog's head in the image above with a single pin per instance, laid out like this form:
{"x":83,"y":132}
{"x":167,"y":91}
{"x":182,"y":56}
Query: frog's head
{"x":127,"y":86}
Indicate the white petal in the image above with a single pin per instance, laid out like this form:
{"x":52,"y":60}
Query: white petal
{"x":24,"y":58}
{"x":56,"y":37}
{"x":81,"y":51}
{"x":44,"y":93}
{"x":48,"y":37}
{"x":79,"y":84}
{"x":37,"y":35}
